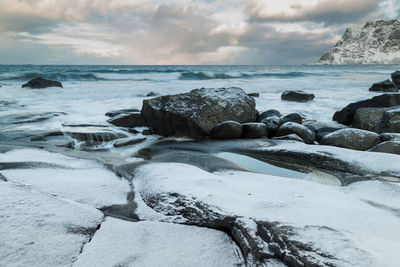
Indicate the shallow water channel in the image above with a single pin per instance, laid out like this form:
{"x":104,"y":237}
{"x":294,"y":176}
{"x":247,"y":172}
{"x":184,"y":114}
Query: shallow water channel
{"x":258,"y":166}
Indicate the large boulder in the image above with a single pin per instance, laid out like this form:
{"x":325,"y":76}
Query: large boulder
{"x":396,"y":78}
{"x":40,"y":83}
{"x":379,"y":120}
{"x":351,"y":138}
{"x":194,"y":114}
{"x":392,"y":147}
{"x":346,"y":115}
{"x":227,"y":130}
{"x":297,"y":95}
{"x":385,"y":86}
{"x":254,"y":130}
{"x":300,"y":130}
{"x":131,"y":120}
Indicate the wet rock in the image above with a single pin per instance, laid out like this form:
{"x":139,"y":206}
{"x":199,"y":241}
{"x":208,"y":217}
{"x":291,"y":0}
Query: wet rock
{"x":272,"y":124}
{"x":268,"y":114}
{"x":300,"y":130}
{"x":383,"y":137}
{"x":130,"y":120}
{"x":254,"y":94}
{"x":292,"y":117}
{"x":254,"y":130}
{"x":370,"y":119}
{"x":94,"y":137}
{"x":132,"y":141}
{"x":378,"y":120}
{"x":21,"y":118}
{"x":194,"y":114}
{"x":40,"y":83}
{"x":391,"y":119}
{"x":396,"y":78}
{"x":346,"y":115}
{"x":147,"y":132}
{"x":297,"y":95}
{"x":227,"y":130}
{"x":291,"y":137}
{"x":392,"y":147}
{"x":324,"y":131}
{"x":121,"y":111}
{"x":43,"y":137}
{"x":152,"y":93}
{"x":351,"y":138}
{"x":385,"y":86}
{"x":271,"y":118}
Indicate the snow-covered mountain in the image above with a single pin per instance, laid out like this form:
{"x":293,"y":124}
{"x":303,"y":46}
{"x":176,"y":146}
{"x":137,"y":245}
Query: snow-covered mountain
{"x":377,"y":42}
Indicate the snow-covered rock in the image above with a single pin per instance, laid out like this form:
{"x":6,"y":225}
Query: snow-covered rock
{"x":37,"y":229}
{"x":310,"y":222}
{"x":78,"y":180}
{"x":147,"y":243}
{"x":377,"y":42}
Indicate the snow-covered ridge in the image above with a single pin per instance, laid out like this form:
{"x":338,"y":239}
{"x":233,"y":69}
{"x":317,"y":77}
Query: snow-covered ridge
{"x":377,"y":42}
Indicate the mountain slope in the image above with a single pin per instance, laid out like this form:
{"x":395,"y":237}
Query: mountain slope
{"x":377,"y":42}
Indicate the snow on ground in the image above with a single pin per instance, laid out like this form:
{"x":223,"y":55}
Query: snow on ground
{"x":37,"y":229}
{"x":82,"y":180}
{"x":374,"y":162}
{"x":336,"y":220}
{"x":146,"y":243}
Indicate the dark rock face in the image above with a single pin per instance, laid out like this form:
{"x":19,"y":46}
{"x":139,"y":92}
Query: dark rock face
{"x":300,"y":130}
{"x":392,"y":147}
{"x":271,"y":118}
{"x":114,"y":113}
{"x":132,"y":141}
{"x":152,"y":93}
{"x":291,"y":137}
{"x":383,"y":137}
{"x":297,"y":95}
{"x":351,"y":138}
{"x":267,"y":114}
{"x":130,"y":120}
{"x":227,"y":130}
{"x":254,"y":130}
{"x":40,"y":83}
{"x":95,"y":138}
{"x":254,"y":94}
{"x":346,"y":115}
{"x":385,"y":86}
{"x":292,"y":117}
{"x":396,"y":78}
{"x":378,"y":120}
{"x":194,"y":114}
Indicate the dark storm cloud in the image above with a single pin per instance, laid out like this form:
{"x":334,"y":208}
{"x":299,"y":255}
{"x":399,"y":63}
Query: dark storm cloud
{"x":178,"y":31}
{"x":328,"y":12}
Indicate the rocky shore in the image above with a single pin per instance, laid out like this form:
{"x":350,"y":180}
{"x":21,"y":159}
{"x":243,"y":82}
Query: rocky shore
{"x":203,"y":178}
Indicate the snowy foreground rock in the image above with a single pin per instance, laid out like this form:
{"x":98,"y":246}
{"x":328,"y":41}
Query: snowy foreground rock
{"x":298,"y":221}
{"x":200,"y":203}
{"x":377,"y":42}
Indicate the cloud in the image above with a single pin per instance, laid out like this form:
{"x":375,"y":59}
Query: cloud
{"x":340,"y":11}
{"x":178,"y":31}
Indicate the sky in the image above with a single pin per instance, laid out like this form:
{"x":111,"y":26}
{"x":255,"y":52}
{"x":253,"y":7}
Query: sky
{"x":179,"y":32}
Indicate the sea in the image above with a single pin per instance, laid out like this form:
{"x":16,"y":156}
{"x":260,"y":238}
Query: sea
{"x":90,"y":91}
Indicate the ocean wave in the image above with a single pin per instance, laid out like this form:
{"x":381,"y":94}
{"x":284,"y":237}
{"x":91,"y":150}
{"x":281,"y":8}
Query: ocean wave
{"x":52,"y":76}
{"x":210,"y":76}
